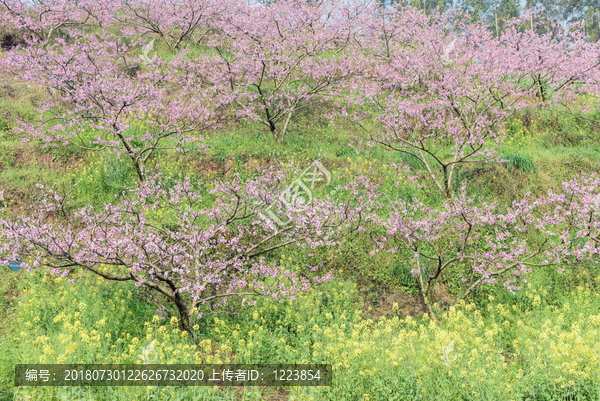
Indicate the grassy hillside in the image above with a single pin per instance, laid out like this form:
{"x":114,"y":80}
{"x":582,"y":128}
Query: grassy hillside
{"x":542,"y":343}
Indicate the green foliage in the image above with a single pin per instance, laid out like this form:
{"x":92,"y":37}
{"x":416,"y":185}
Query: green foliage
{"x":495,"y":355}
{"x":3,"y":125}
{"x":402,"y":272}
{"x":97,"y":322}
{"x":103,"y":177}
{"x":519,"y":162}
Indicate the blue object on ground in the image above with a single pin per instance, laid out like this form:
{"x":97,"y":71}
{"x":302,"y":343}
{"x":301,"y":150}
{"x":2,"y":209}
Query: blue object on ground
{"x":15,"y":265}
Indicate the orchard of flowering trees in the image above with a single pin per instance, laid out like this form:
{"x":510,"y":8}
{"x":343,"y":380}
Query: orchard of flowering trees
{"x":435,"y":87}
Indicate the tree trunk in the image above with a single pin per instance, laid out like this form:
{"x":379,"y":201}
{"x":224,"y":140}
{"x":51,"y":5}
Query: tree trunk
{"x":139,"y":168}
{"x":273,"y":130}
{"x":183,"y":313}
{"x":424,"y":291}
{"x":285,"y":126}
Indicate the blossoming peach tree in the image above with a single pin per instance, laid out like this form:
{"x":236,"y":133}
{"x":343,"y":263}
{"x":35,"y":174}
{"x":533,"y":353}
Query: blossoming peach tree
{"x":176,"y":23}
{"x":274,"y":61}
{"x":203,"y":255}
{"x":490,"y":243}
{"x":267,"y":61}
{"x":101,"y":93}
{"x":44,"y":20}
{"x":439,"y":89}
